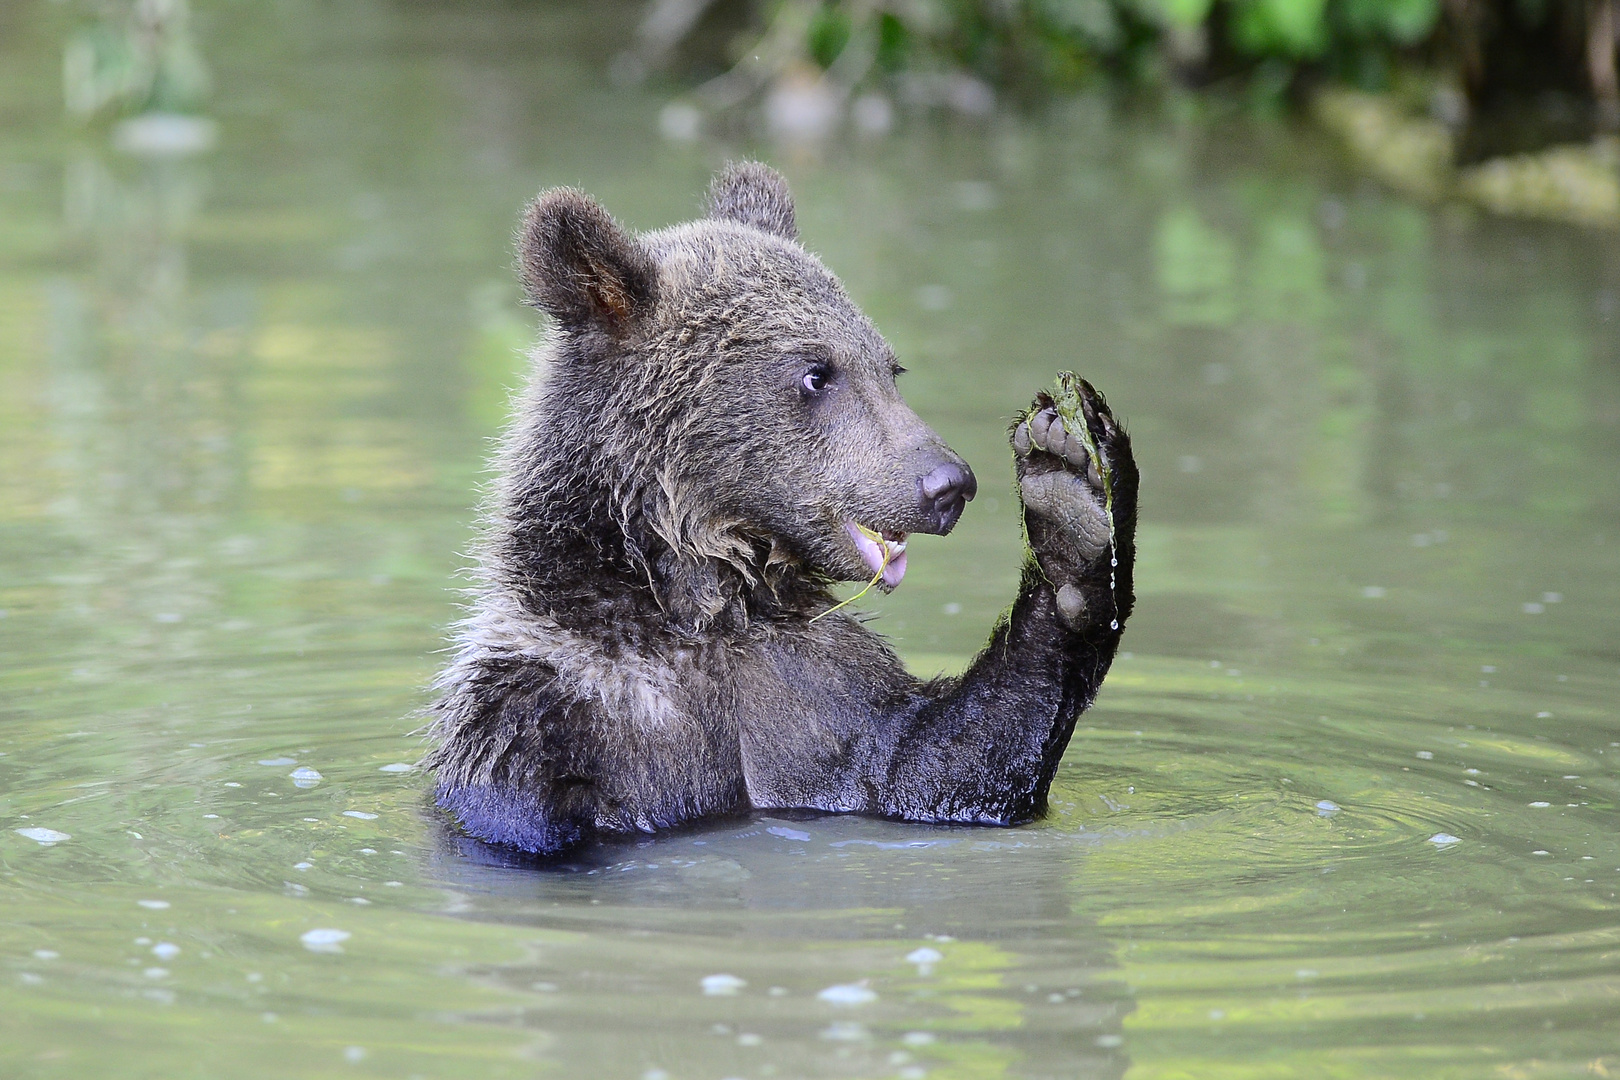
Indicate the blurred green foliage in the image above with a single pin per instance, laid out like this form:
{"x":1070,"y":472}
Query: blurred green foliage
{"x":134,"y":57}
{"x":1068,"y":42}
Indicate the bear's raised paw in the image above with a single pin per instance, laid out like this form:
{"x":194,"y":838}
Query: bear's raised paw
{"x":1071,"y":458}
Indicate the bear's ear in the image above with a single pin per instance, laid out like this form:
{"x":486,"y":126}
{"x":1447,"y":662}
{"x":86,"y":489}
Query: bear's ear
{"x":580,"y":267}
{"x":753,"y":194}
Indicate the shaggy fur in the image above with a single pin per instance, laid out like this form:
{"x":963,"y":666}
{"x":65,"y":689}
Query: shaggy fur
{"x":709,"y":412}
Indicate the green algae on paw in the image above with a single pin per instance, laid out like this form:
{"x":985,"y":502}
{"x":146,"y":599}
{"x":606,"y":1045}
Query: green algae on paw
{"x":1070,"y":405}
{"x":1068,"y":399}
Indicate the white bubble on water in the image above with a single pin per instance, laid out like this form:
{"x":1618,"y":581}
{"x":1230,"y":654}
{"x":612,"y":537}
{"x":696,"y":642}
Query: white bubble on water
{"x":1442,"y":840}
{"x":1326,"y":808}
{"x":1368,"y":592}
{"x":924,"y":956}
{"x":354,"y":1053}
{"x":721,"y":985}
{"x":305,"y":777}
{"x":1541,"y":805}
{"x":1108,"y":1042}
{"x":1425,"y":755}
{"x":46,"y":954}
{"x":165,"y":950}
{"x":1533,"y":608}
{"x":361,"y":814}
{"x":918,"y":1038}
{"x":276,"y":762}
{"x":848,"y":994}
{"x":398,"y":766}
{"x":788,"y":834}
{"x":655,"y":1074}
{"x":44,"y":837}
{"x":324,"y":939}
{"x":844,"y":1031}
{"x":1552,"y":598}
{"x":750,"y":1040}
{"x":156,"y":973}
{"x":1540,"y":851}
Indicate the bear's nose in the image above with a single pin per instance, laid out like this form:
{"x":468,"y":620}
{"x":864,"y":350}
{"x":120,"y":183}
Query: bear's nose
{"x":945,"y":490}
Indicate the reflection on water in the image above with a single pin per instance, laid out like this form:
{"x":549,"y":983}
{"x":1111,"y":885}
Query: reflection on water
{"x":1347,"y":807}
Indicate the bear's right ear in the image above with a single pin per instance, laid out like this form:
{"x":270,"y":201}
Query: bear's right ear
{"x":580,"y":267}
{"x":751,"y":193}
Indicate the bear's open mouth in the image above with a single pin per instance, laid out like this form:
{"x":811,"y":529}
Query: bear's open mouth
{"x":884,"y":552}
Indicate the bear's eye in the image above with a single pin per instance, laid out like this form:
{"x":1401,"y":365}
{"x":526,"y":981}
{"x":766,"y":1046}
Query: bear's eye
{"x":816,"y":379}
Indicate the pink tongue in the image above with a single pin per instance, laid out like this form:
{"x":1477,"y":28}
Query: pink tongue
{"x":872,"y":554}
{"x":895,"y":570}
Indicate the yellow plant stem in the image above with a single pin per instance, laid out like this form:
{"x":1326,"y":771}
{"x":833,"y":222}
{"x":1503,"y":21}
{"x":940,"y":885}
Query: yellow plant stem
{"x":875,"y":577}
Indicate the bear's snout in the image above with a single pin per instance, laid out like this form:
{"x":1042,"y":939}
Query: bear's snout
{"x":944,"y":492}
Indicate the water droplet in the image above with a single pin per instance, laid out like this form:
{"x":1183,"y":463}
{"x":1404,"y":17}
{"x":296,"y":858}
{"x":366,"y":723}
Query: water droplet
{"x":1441,"y":839}
{"x":324,"y":939}
{"x":305,"y":777}
{"x":1324,"y":808}
{"x":848,"y":994}
{"x":722,"y":985}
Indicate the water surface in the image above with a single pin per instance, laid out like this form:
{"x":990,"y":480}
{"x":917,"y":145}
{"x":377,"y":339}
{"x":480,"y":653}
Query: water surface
{"x":1346,"y":806}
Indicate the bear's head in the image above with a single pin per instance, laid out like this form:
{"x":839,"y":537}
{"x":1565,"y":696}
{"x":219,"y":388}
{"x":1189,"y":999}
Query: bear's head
{"x":736,"y":410}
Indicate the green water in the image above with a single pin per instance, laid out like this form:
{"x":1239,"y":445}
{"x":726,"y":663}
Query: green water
{"x":244,"y":402}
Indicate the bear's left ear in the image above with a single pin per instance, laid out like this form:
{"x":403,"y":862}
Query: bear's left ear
{"x":580,"y":267}
{"x":750,"y":193}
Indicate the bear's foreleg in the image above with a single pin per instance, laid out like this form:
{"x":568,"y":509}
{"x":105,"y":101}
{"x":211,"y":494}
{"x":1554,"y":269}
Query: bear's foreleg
{"x":984,"y":747}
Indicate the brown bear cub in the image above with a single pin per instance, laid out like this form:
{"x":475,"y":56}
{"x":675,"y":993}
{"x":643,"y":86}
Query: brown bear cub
{"x":713,"y":438}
